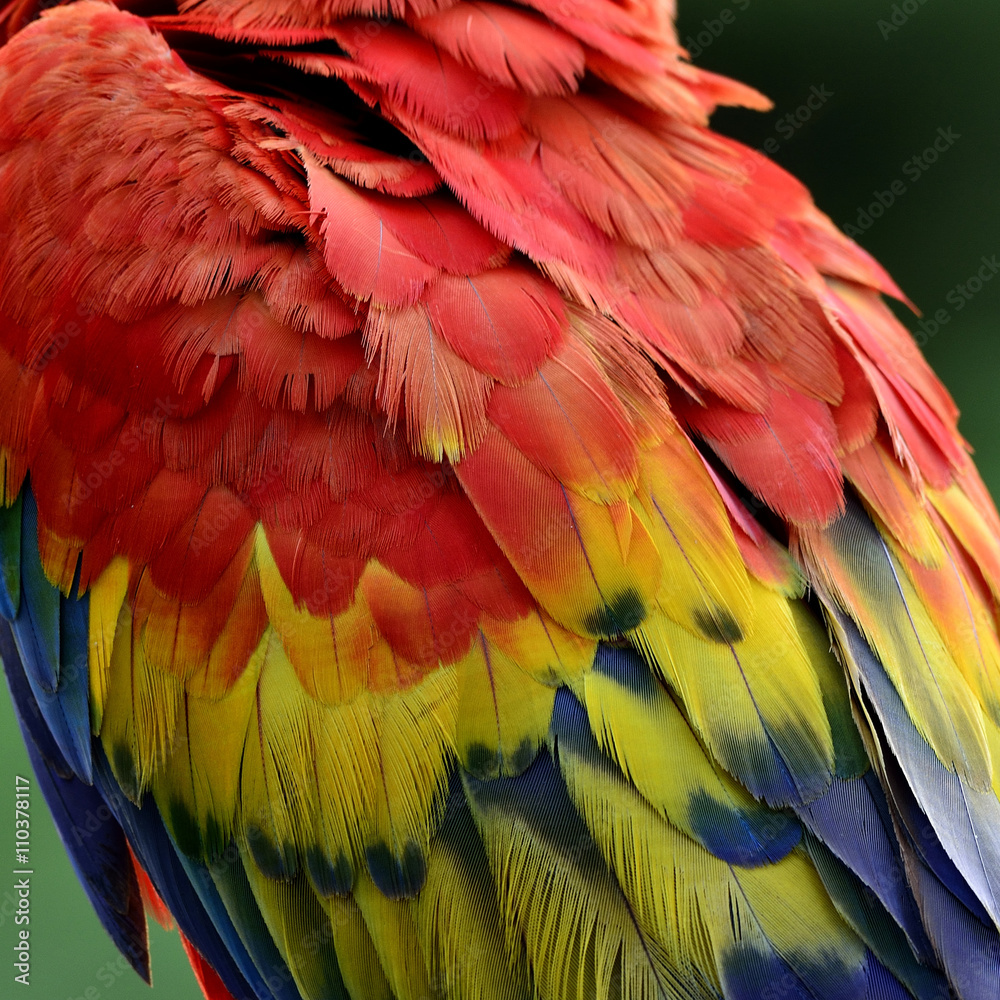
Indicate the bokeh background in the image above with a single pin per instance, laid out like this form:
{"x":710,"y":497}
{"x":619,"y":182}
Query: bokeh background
{"x":884,"y":79}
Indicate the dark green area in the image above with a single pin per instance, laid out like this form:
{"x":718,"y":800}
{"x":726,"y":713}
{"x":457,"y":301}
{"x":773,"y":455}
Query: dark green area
{"x":889,"y":96}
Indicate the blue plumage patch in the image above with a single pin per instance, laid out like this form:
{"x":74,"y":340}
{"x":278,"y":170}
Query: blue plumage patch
{"x":50,"y":632}
{"x":93,"y":839}
{"x":160,"y":860}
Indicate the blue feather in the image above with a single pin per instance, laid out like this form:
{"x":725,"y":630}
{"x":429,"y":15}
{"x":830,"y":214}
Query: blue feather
{"x":920,"y":836}
{"x":93,"y":839}
{"x":880,"y":984}
{"x":36,"y":627}
{"x":965,"y":820}
{"x":159,"y":858}
{"x":50,"y":632}
{"x":259,"y":960}
{"x":862,"y":909}
{"x":852,"y":820}
{"x":968,"y":949}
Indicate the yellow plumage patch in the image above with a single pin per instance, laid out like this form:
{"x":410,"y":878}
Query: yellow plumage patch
{"x":703,"y":583}
{"x":642,"y":730}
{"x":107,"y":595}
{"x":394,"y":935}
{"x":301,"y":930}
{"x":458,"y":919}
{"x":541,"y":647}
{"x":330,"y":655}
{"x":755,"y":702}
{"x":708,"y":918}
{"x":140,"y":712}
{"x":859,"y":570}
{"x":503,"y":712}
{"x":359,"y":963}
{"x":198,"y":788}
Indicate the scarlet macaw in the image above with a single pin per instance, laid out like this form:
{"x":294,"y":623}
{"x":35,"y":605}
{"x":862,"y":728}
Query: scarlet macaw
{"x":480,"y":533}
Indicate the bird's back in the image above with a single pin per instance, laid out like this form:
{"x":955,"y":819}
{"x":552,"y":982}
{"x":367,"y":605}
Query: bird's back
{"x":479,"y":533}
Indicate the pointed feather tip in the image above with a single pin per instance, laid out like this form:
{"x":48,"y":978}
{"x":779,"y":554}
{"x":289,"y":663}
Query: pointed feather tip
{"x":194,"y":905}
{"x":748,"y":839}
{"x":99,"y":857}
{"x":64,"y":710}
{"x":207,"y":978}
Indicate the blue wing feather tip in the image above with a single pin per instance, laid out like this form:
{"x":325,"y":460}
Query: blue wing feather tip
{"x":94,"y":841}
{"x":164,"y":865}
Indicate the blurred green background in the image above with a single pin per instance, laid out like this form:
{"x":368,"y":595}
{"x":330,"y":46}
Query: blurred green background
{"x":885,"y":94}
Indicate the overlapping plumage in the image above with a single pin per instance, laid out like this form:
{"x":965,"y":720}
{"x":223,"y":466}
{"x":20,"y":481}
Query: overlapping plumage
{"x":480,"y":533}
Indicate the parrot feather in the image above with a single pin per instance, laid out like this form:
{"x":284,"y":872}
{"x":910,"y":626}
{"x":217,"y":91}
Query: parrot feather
{"x":227,"y":885}
{"x":461,"y":932}
{"x":756,"y":702}
{"x":10,"y":546}
{"x":359,"y":963}
{"x":429,"y":457}
{"x":638,"y":725}
{"x":964,"y":817}
{"x":156,"y":854}
{"x":684,"y":895}
{"x":869,"y":922}
{"x":100,"y":856}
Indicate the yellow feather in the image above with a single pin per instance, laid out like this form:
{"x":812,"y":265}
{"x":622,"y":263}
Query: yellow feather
{"x":140,"y":712}
{"x":107,"y":595}
{"x":329,"y":654}
{"x":458,"y":919}
{"x":197,"y":790}
{"x":751,"y":699}
{"x":394,"y":935}
{"x":347,"y":777}
{"x":537,"y":644}
{"x":700,"y":910}
{"x":855,"y":565}
{"x":416,"y":743}
{"x":626,"y":586}
{"x":356,"y":955}
{"x":276,"y":805}
{"x":704,"y":584}
{"x":649,"y":739}
{"x":557,"y":899}
{"x":503,"y":713}
{"x":60,"y":559}
{"x":301,"y":930}
{"x":973,"y":526}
